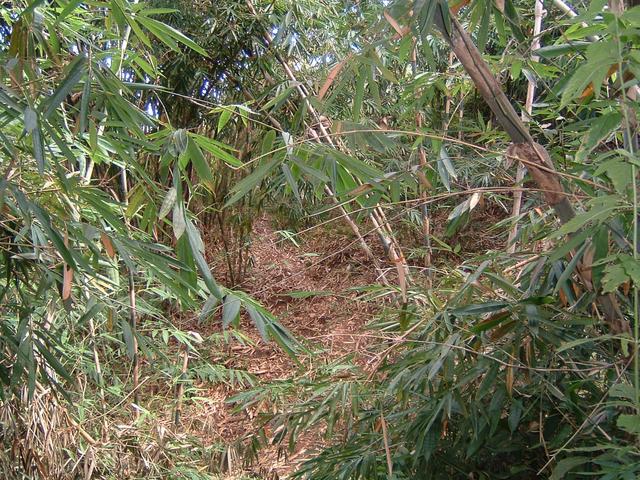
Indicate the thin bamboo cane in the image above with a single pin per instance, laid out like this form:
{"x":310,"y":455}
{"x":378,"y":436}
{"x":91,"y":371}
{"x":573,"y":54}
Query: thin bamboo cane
{"x":526,"y":115}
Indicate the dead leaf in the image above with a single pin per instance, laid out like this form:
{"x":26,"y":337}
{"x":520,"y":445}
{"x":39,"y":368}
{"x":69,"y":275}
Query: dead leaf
{"x":458,"y":6}
{"x":108,"y":246}
{"x":332,"y":76}
{"x":400,"y":31}
{"x":67,"y":274}
{"x":67,"y":280}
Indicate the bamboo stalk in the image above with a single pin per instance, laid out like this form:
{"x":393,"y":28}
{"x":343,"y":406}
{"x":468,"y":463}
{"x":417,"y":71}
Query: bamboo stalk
{"x":133,"y":321}
{"x":526,"y":115}
{"x":180,"y":389}
{"x":98,"y":367}
{"x":133,"y":317}
{"x":422,"y":162}
{"x":523,"y":148}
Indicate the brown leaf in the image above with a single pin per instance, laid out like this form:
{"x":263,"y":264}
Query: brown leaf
{"x":400,"y":31}
{"x":458,"y":6}
{"x":332,"y":76}
{"x":67,"y":281}
{"x":502,"y":330}
{"x":67,"y":274}
{"x":110,"y":319}
{"x":585,"y":266}
{"x":402,"y":279}
{"x":563,"y":298}
{"x":424,"y":180}
{"x":108,"y":246}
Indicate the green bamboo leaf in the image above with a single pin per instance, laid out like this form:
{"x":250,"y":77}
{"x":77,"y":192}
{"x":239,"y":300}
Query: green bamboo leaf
{"x":68,"y":10}
{"x":169,"y":35}
{"x":267,"y":142}
{"x":135,"y":26}
{"x":285,"y":340}
{"x":480,"y":308}
{"x":38,"y":149}
{"x":359,"y":95}
{"x":84,"y":105}
{"x":53,"y":236}
{"x":199,"y":162}
{"x":30,"y":120}
{"x":216,"y":149}
{"x":258,"y":320}
{"x":168,"y":202}
{"x":292,"y":182}
{"x":565,"y":465}
{"x":224,"y":118}
{"x":31,"y":7}
{"x":599,"y":130}
{"x":196,"y":244}
{"x":619,"y":171}
{"x":76,"y":71}
{"x":178,"y":220}
{"x":230,"y":309}
{"x":595,"y":215}
{"x":629,"y":423}
{"x":208,"y":308}
{"x":129,"y":336}
{"x":570,"y":269}
{"x":583,"y":341}
{"x":251,"y":181}
{"x":53,"y":361}
{"x":552,"y":51}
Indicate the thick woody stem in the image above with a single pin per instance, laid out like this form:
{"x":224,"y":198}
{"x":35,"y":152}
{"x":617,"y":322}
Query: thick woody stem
{"x":530,"y":153}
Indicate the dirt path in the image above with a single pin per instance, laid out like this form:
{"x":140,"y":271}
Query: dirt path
{"x":324,"y":262}
{"x":333,"y":317}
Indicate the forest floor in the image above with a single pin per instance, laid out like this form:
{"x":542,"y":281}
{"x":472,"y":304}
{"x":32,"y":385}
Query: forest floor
{"x":332,"y":319}
{"x":312,"y":287}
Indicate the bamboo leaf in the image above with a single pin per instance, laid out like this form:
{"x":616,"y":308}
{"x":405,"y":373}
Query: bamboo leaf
{"x":224,"y":118}
{"x":168,"y":203}
{"x":208,"y":308}
{"x":230,"y":309}
{"x":599,"y":130}
{"x":178,"y":220}
{"x":196,"y":244}
{"x":76,"y":71}
{"x":199,"y":162}
{"x":251,"y":181}
{"x":170,"y":35}
{"x":216,"y":149}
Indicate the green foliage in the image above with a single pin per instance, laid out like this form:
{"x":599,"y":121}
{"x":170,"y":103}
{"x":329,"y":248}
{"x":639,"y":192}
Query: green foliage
{"x":134,"y":135}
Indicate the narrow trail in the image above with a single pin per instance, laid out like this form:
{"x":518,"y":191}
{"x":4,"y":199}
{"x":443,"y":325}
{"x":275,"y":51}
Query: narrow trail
{"x":333,"y":317}
{"x":309,"y":287}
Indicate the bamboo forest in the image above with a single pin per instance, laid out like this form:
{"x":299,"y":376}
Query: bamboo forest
{"x":319,"y":239}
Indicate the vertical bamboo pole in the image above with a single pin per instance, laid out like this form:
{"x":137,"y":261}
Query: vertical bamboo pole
{"x":133,"y":316}
{"x":526,"y":115}
{"x":180,"y":388}
{"x":422,"y":158}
